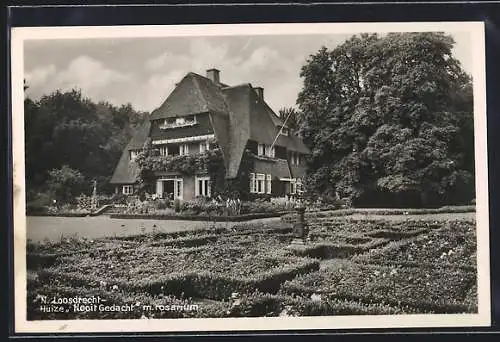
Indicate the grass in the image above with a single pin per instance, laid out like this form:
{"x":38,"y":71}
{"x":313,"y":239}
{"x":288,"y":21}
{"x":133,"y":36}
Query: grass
{"x":349,"y":266}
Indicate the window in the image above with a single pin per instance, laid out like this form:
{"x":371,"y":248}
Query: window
{"x":202,"y":186}
{"x":183,"y":149}
{"x":293,"y":186}
{"x":260,"y":183}
{"x":163,"y":150}
{"x":269,"y":183}
{"x":261,"y":150}
{"x":271,"y":152}
{"x":284,"y":131}
{"x":127,"y":190}
{"x":295,"y":158}
{"x":204,"y":146}
{"x":133,"y":154}
{"x":178,"y":122}
{"x":299,"y":188}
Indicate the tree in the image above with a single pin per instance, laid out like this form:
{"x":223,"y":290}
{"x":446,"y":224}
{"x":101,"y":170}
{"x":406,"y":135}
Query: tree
{"x":289,"y":115}
{"x":65,"y":183}
{"x":389,"y":121}
{"x":65,"y":128}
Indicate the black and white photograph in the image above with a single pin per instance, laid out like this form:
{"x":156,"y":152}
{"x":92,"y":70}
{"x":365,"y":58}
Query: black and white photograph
{"x":250,"y":177}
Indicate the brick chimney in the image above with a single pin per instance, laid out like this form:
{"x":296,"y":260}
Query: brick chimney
{"x":214,"y":75}
{"x":260,"y":92}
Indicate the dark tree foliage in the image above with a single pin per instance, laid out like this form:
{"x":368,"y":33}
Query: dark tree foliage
{"x":290,"y":115}
{"x":65,"y":128}
{"x":389,"y":121}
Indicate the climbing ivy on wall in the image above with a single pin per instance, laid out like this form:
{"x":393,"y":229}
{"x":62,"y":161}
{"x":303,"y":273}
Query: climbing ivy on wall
{"x":212,"y":162}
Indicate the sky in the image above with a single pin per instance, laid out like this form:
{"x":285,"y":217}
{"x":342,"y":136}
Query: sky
{"x":143,"y":71}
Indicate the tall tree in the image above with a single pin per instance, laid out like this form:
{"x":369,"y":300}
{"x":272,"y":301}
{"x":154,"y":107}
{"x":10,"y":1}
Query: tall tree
{"x":389,"y":120}
{"x":65,"y":128}
{"x":290,"y":116}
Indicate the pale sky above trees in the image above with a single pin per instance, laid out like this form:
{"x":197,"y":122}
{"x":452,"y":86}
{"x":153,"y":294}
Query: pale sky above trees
{"x":143,"y":71}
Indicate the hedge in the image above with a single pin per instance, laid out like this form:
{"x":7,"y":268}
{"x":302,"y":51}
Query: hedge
{"x":331,"y":250}
{"x":237,"y":218}
{"x":199,"y":285}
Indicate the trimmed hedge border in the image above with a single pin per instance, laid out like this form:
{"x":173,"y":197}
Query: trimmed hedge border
{"x":327,"y":250}
{"x":390,"y":211}
{"x":238,"y":218}
{"x":189,"y":284}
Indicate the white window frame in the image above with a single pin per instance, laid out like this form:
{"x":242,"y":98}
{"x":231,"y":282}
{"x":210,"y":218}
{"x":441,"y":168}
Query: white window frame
{"x":299,"y":185}
{"x":180,"y":121}
{"x":133,"y":154}
{"x":204,"y":146}
{"x":252,"y":183}
{"x":163,"y":150}
{"x":178,"y":188}
{"x":206,"y":187}
{"x":295,"y":158}
{"x":183,"y":149}
{"x":268,"y":183}
{"x":271,"y":151}
{"x":261,"y":149}
{"x":127,"y":189}
{"x":260,"y":181}
{"x":293,"y":186}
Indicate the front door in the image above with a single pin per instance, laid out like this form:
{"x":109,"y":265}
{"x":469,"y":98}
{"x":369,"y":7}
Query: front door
{"x":168,"y":189}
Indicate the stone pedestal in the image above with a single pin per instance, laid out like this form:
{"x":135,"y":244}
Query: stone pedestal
{"x":300,"y":229}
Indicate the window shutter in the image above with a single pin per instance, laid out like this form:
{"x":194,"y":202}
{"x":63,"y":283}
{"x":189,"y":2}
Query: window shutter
{"x":269,"y":183}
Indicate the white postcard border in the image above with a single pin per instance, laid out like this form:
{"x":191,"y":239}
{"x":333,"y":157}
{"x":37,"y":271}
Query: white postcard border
{"x":22,"y":325}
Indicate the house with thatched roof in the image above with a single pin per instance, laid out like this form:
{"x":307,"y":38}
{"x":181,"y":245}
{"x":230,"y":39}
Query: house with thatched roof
{"x":202,"y":115}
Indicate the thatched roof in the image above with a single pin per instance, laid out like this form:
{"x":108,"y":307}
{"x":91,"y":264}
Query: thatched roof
{"x":127,"y":172}
{"x":193,"y":95}
{"x":236,"y":115}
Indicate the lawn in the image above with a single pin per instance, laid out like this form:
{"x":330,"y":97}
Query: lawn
{"x":349,"y":266}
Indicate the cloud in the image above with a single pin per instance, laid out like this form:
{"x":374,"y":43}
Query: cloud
{"x":155,"y":90}
{"x":84,"y":72}
{"x":40,"y":75}
{"x":151,"y":72}
{"x":88,"y":73}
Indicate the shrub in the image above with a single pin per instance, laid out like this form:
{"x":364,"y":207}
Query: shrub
{"x":177,"y":205}
{"x":162,"y":204}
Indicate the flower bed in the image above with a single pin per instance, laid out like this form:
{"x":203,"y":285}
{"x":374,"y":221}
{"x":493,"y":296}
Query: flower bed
{"x":209,"y":265}
{"x":453,"y":244}
{"x":389,"y":211}
{"x":425,"y":289}
{"x":335,"y":250}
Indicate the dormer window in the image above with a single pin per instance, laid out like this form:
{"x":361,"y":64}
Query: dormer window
{"x":271,"y":152}
{"x":182,"y":121}
{"x":261,"y":151}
